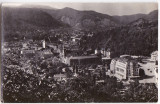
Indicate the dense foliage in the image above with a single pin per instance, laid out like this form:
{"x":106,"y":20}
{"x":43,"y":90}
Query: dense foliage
{"x":34,"y":85}
{"x":139,"y":39}
{"x":23,"y":87}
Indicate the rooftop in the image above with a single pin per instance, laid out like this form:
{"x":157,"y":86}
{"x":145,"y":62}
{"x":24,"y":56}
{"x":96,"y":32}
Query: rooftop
{"x":83,"y":57}
{"x":59,"y":75}
{"x":126,"y":59}
{"x":106,"y":58}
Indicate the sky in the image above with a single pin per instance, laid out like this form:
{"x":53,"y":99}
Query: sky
{"x":105,"y":8}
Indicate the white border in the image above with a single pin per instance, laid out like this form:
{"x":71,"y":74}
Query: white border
{"x":78,"y":1}
{"x":96,"y":1}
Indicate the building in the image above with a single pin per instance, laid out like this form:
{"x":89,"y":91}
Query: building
{"x":45,"y":53}
{"x":125,"y":68}
{"x":24,"y":45}
{"x":75,"y":39}
{"x":106,"y":62}
{"x":60,"y":77}
{"x":66,"y":60}
{"x":105,"y":53}
{"x":43,"y":44}
{"x":154,"y":56}
{"x":84,"y":60}
{"x":28,"y":53}
{"x":156,"y":75}
{"x":5,"y":48}
{"x":97,"y":51}
{"x":108,"y":53}
{"x":90,"y":34}
{"x":121,"y":68}
{"x":125,"y":56}
{"x":53,"y":46}
{"x":112,"y":65}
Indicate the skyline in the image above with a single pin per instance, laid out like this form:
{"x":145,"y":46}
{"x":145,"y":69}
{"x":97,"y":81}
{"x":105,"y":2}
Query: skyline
{"x":112,"y":9}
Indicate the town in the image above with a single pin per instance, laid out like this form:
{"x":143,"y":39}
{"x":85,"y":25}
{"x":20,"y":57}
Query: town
{"x":64,"y":52}
{"x":56,"y":65}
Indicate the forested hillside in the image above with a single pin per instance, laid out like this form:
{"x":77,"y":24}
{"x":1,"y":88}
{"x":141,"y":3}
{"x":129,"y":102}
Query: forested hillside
{"x":134,"y":34}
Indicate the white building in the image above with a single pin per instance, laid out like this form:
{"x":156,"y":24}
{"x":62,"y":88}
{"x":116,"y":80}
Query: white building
{"x":25,"y":45}
{"x":154,"y":56}
{"x":121,"y":67}
{"x":112,"y":65}
{"x":108,"y":53}
{"x":43,"y":44}
{"x":125,"y":68}
{"x":97,"y":51}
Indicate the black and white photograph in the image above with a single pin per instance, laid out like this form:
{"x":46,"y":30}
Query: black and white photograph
{"x":64,"y":52}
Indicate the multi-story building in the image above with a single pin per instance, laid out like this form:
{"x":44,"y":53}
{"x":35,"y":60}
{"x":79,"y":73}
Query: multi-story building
{"x":124,"y":68}
{"x":121,"y":68}
{"x":105,"y":53}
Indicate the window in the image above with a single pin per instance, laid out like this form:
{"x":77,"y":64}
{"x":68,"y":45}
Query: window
{"x":121,"y":70}
{"x":129,"y":72}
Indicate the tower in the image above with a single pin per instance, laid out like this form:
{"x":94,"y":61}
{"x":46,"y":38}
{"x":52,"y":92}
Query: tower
{"x":43,"y":44}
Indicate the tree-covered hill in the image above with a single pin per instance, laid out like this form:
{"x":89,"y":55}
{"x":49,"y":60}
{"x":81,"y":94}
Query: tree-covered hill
{"x":134,"y":34}
{"x":138,"y":38}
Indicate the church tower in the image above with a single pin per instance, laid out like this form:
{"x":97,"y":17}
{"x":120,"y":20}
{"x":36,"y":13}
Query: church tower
{"x":43,"y":44}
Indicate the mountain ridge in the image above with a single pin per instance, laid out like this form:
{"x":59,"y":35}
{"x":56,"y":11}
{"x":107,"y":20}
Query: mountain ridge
{"x":138,"y":34}
{"x":91,"y":20}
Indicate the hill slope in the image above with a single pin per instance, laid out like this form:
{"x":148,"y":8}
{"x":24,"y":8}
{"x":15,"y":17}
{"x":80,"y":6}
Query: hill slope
{"x":23,"y":16}
{"x":130,"y":18}
{"x":90,"y":20}
{"x":137,"y":38}
{"x":134,"y":34}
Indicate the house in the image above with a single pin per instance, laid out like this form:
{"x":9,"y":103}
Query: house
{"x":60,"y":77}
{"x":46,"y":53}
{"x":30,"y":53}
{"x":24,"y":45}
{"x":154,"y":56}
{"x":66,"y":60}
{"x":75,"y":39}
{"x":90,"y":34}
{"x":5,"y":48}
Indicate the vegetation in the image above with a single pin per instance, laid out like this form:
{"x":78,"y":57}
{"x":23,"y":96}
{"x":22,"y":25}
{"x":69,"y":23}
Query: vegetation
{"x":133,"y":40}
{"x":23,"y":87}
{"x":31,"y":80}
